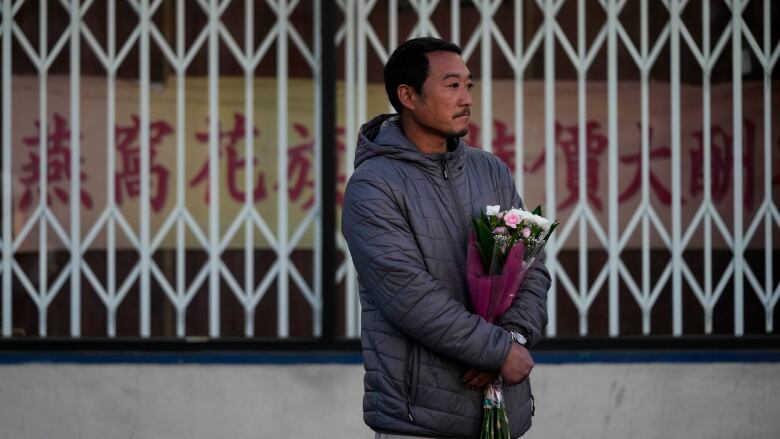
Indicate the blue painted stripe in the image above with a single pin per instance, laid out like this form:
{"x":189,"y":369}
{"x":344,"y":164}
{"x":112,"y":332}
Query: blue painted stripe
{"x":657,"y":357}
{"x":353,"y":358}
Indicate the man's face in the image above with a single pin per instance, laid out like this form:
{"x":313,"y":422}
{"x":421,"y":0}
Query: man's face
{"x":444,"y":107}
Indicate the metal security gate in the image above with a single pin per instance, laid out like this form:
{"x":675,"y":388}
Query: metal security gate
{"x":212,"y":236}
{"x":557,"y":34}
{"x":658,"y":230}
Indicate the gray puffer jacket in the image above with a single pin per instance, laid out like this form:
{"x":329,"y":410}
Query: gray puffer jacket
{"x":406,"y":218}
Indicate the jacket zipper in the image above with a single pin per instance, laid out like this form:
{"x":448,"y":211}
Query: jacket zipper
{"x":409,"y":381}
{"x":446,"y":174}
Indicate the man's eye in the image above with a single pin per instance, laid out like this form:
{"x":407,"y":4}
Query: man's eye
{"x":470,"y":85}
{"x":454,"y":85}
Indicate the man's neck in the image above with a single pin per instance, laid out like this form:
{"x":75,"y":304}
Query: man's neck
{"x":425,"y":140}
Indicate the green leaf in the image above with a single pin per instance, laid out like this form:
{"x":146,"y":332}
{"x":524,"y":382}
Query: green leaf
{"x":485,"y":240}
{"x":552,"y":229}
{"x":537,"y":210}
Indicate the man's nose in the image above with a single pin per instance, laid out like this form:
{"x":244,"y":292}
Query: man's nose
{"x":465,"y":97}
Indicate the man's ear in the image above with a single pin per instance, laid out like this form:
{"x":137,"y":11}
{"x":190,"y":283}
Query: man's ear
{"x":406,"y":96}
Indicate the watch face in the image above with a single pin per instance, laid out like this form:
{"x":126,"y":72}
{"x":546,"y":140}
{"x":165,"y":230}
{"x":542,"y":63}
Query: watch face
{"x":519,"y":338}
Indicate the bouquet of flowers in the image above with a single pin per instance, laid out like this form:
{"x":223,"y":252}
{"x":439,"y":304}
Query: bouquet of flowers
{"x":501,"y":250}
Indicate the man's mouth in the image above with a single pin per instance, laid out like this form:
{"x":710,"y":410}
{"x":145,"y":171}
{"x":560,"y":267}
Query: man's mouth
{"x":464,"y":114}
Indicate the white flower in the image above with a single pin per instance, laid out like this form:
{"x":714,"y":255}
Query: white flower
{"x":492,"y":210}
{"x":537,"y":220}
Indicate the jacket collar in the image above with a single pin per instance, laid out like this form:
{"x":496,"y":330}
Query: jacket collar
{"x":383,"y":136}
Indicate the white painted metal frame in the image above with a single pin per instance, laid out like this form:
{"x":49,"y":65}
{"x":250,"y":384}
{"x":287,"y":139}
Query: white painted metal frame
{"x":145,"y":240}
{"x":610,"y":236}
{"x":358,"y":37}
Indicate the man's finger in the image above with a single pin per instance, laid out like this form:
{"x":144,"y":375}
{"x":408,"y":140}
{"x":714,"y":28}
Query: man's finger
{"x":481,"y":380}
{"x":485,"y":379}
{"x":476,"y":381}
{"x":470,"y":375}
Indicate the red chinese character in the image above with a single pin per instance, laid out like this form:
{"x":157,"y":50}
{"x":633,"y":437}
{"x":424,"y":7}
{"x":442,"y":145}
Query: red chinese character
{"x":661,"y":191}
{"x":722,"y":163}
{"x":595,"y":144}
{"x":235,"y":162}
{"x":58,"y":155}
{"x":503,"y":142}
{"x":128,"y":177}
{"x":299,"y":167}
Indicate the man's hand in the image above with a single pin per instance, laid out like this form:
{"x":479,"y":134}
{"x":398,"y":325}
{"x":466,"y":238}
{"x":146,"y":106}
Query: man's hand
{"x":475,"y":379}
{"x":517,"y":366}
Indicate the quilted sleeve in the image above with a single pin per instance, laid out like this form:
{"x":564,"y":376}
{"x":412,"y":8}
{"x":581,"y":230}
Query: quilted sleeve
{"x":393,"y":276}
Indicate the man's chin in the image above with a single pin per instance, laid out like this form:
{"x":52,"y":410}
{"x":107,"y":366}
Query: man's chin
{"x":462,"y":132}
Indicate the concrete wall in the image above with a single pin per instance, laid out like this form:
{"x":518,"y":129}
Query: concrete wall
{"x":324,"y":401}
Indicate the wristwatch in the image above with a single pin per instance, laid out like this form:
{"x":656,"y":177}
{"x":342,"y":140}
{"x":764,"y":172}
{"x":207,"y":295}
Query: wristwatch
{"x":519,"y":338}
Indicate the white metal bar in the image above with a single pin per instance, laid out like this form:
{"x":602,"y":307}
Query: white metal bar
{"x":249,"y":110}
{"x":519,"y":99}
{"x":486,"y":66}
{"x":301,"y":45}
{"x":261,"y":289}
{"x":164,"y":47}
{"x":392,"y":25}
{"x":232,"y":229}
{"x":612,"y":117}
{"x":719,"y":49}
{"x":181,"y":285}
{"x":75,"y":169}
{"x":43,"y":143}
{"x":645,"y":153}
{"x":110,"y":165}
{"x":92,"y":42}
{"x":707,"y":132}
{"x":31,"y":291}
{"x":232,"y":46}
{"x":351,"y":138}
{"x":282,"y":318}
{"x":233,"y":285}
{"x":532,"y":48}
{"x":318,"y":189}
{"x":454,"y":21}
{"x":15,"y":7}
{"x":304,"y":287}
{"x":265,"y":45}
{"x":549,"y":162}
{"x":379,"y":49}
{"x":214,"y":182}
{"x":25,"y":43}
{"x":95,"y":282}
{"x":582,"y":163}
{"x":55,"y":51}
{"x":6,"y":176}
{"x":674,"y":16}
{"x":144,"y":199}
{"x":768,"y":196}
{"x":736,"y":66}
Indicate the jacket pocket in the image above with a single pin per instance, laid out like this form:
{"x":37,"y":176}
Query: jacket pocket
{"x":411,"y":377}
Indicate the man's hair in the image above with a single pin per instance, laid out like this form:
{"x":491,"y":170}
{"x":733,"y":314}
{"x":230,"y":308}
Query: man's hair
{"x":409,"y":65}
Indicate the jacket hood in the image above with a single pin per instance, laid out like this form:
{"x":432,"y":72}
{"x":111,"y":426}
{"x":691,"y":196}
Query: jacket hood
{"x":383,"y":136}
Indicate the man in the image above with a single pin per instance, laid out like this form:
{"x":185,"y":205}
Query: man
{"x":406,"y":218}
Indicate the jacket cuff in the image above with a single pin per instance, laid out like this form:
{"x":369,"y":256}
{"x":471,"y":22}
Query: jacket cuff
{"x":506,"y":347}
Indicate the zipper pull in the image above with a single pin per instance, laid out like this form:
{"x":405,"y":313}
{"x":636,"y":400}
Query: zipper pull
{"x":444,"y":168}
{"x":409,"y":409}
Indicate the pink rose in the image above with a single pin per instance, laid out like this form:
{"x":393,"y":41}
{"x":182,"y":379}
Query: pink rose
{"x":526,"y":232}
{"x":512,"y":219}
